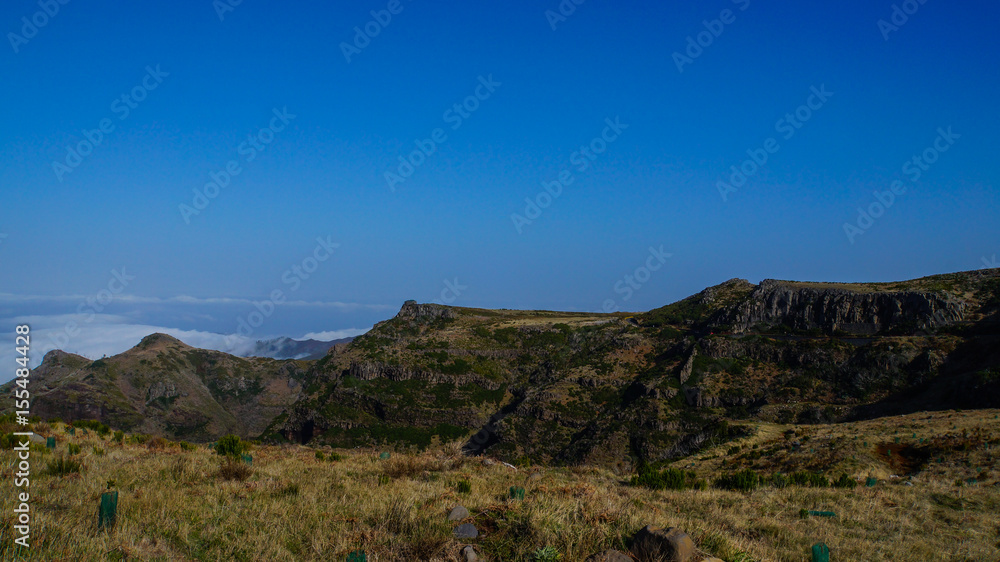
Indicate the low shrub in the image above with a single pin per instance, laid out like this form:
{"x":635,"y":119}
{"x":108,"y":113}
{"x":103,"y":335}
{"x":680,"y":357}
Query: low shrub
{"x":185,"y":446}
{"x":62,"y":466}
{"x":464,"y":487}
{"x":320,"y":456}
{"x":230,"y":446}
{"x":95,"y":425}
{"x":233,"y":468}
{"x":745,"y":480}
{"x":806,"y":478}
{"x":844,"y":481}
{"x":74,"y":449}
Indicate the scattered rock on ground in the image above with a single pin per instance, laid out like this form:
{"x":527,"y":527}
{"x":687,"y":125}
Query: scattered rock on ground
{"x":653,"y":544}
{"x":466,"y":531}
{"x":458,"y":513}
{"x":470,"y":554}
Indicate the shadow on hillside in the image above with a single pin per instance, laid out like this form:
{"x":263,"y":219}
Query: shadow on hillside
{"x":969,"y":379}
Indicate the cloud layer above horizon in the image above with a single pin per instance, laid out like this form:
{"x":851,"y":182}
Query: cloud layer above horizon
{"x":96,"y":325}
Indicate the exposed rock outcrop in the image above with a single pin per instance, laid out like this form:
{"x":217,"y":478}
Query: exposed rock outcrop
{"x":413,"y":310}
{"x":370,"y":370}
{"x":832,"y":309}
{"x":685,"y":373}
{"x":160,"y":389}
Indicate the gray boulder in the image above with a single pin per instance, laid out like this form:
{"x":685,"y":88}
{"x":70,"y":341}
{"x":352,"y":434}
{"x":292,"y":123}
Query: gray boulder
{"x":466,"y":531}
{"x":458,"y":513}
{"x":653,"y":544}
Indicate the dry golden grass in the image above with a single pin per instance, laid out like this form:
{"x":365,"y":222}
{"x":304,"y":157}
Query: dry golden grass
{"x":175,"y":505}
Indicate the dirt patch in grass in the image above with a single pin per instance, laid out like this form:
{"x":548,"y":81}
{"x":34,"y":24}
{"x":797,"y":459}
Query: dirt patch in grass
{"x":902,"y":458}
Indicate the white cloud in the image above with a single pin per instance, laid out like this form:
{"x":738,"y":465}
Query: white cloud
{"x":333,"y":334}
{"x":185,"y":299}
{"x":93,"y":329}
{"x":108,"y":334}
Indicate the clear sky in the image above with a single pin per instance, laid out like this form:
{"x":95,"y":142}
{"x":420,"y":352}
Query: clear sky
{"x":183,"y":93}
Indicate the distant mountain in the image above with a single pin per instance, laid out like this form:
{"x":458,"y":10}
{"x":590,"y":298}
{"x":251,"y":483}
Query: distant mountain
{"x":287,"y":348}
{"x":165,"y":387}
{"x":562,"y":387}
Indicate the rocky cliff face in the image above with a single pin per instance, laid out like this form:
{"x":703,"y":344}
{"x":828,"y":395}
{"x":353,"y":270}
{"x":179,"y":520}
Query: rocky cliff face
{"x":412,"y":310}
{"x":834,"y":310}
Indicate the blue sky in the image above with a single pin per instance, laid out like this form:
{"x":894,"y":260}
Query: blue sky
{"x":207,"y":83}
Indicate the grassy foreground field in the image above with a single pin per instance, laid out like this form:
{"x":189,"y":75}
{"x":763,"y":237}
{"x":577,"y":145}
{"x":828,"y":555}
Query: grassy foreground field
{"x":176,"y":505}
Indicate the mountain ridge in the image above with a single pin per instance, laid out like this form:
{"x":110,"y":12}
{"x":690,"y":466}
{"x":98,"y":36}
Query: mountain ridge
{"x":567,"y":387}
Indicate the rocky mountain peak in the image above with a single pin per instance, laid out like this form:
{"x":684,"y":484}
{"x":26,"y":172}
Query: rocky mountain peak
{"x":159,"y":341}
{"x":413,"y":310}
